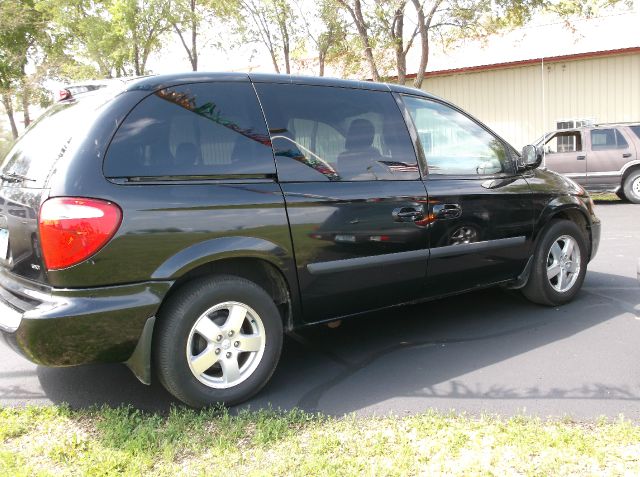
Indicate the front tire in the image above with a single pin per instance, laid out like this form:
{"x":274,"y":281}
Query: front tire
{"x":559,"y":265}
{"x":218,"y":340}
{"x":631,"y":187}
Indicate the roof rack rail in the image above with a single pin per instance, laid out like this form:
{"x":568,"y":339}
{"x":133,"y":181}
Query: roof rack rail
{"x":616,"y":123}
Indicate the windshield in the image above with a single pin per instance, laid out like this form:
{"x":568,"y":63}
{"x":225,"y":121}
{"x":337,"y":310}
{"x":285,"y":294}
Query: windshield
{"x":34,"y":154}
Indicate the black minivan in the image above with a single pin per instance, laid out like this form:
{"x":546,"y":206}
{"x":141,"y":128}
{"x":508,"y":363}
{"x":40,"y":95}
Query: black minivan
{"x":181,"y":224}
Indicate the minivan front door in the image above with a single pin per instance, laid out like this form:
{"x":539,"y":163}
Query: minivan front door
{"x":356,"y":205}
{"x":481,"y":210}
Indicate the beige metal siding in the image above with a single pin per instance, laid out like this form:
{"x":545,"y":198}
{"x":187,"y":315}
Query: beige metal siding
{"x":510,"y":100}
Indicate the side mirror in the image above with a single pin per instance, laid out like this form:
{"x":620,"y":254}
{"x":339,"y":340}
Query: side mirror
{"x":530,"y":159}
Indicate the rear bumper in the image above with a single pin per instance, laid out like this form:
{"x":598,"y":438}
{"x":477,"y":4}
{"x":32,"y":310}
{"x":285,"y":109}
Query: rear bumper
{"x":65,"y":327}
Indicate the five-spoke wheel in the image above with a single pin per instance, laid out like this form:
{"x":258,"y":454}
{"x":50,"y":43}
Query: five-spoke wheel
{"x":217,"y":340}
{"x":563,"y":263}
{"x":559,"y":264}
{"x":225,"y":345}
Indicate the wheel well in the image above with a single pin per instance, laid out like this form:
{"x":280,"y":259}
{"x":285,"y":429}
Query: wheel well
{"x":628,"y":172}
{"x":258,"y":271}
{"x":579,"y":219}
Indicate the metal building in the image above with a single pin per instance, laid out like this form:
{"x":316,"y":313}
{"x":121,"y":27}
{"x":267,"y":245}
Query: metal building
{"x":545,"y":77}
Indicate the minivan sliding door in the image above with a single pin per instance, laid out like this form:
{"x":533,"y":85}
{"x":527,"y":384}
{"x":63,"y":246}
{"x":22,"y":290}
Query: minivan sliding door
{"x":356,"y":205}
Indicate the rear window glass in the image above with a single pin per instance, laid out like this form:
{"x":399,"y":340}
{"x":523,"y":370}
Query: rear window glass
{"x":636,"y":130}
{"x":46,"y":141}
{"x":199,"y":129}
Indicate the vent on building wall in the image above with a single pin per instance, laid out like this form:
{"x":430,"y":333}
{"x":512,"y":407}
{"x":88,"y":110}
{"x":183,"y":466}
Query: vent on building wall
{"x":574,"y":123}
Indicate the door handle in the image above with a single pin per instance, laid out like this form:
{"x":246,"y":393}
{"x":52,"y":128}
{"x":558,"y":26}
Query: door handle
{"x":581,"y":158}
{"x":626,"y":154}
{"x":408,"y":214}
{"x":447,"y":211}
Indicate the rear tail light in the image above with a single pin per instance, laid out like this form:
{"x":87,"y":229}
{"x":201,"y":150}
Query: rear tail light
{"x":73,"y":229}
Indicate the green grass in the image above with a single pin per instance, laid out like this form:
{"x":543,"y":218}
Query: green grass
{"x":123,"y":441}
{"x":604,"y":197}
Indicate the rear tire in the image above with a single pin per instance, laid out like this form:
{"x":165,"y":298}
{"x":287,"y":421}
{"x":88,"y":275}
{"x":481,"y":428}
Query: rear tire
{"x":217,"y":341}
{"x":631,"y":187}
{"x":559,"y":265}
{"x":621,"y":196}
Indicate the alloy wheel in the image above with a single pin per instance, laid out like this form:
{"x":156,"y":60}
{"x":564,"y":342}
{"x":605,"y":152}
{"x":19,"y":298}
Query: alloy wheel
{"x":225,"y":345}
{"x":563,"y":263}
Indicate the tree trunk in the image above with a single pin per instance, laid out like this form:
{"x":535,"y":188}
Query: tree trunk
{"x":321,"y":60}
{"x":401,"y":57}
{"x":356,"y":14}
{"x":25,"y":98}
{"x":287,"y":64}
{"x":274,"y":60}
{"x":25,"y":105}
{"x":8,"y":107}
{"x":424,"y":22}
{"x":194,"y":37}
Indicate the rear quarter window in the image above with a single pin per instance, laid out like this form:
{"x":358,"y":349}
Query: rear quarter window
{"x":199,"y":129}
{"x":603,"y":139}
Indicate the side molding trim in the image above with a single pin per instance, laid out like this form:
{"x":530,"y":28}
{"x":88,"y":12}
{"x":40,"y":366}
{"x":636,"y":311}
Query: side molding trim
{"x":465,"y":248}
{"x":360,"y":263}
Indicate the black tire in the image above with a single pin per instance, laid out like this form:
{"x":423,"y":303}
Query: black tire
{"x":178,"y":317}
{"x":631,"y":187}
{"x":539,"y":289}
{"x":621,"y":196}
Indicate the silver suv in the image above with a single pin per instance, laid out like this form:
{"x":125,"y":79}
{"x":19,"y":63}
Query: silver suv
{"x":601,"y":158}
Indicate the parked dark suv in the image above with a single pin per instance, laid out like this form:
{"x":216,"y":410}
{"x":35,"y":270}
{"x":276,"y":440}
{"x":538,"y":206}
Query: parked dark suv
{"x":181,"y":224}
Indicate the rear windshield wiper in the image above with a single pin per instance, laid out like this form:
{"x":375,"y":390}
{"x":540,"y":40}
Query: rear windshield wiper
{"x":15,"y":177}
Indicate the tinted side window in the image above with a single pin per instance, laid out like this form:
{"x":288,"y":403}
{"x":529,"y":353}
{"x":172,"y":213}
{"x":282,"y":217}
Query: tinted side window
{"x":454,"y":144}
{"x":322,"y":133}
{"x":636,"y":130}
{"x":193,"y":130}
{"x":602,"y":139}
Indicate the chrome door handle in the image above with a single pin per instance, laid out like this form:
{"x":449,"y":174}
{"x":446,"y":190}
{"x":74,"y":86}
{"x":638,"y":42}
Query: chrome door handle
{"x":626,"y":154}
{"x":447,"y":211}
{"x":408,"y":214}
{"x":581,"y":158}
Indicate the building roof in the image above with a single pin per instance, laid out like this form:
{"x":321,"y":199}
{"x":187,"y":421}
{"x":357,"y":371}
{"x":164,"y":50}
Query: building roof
{"x":551,"y":39}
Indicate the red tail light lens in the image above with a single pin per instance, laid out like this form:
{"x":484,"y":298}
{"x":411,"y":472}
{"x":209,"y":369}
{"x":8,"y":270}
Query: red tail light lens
{"x":73,"y":229}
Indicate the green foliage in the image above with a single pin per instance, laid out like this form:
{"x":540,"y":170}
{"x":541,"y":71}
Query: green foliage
{"x":273,"y":24}
{"x":111,"y":37}
{"x":140,"y":24}
{"x":21,"y":30}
